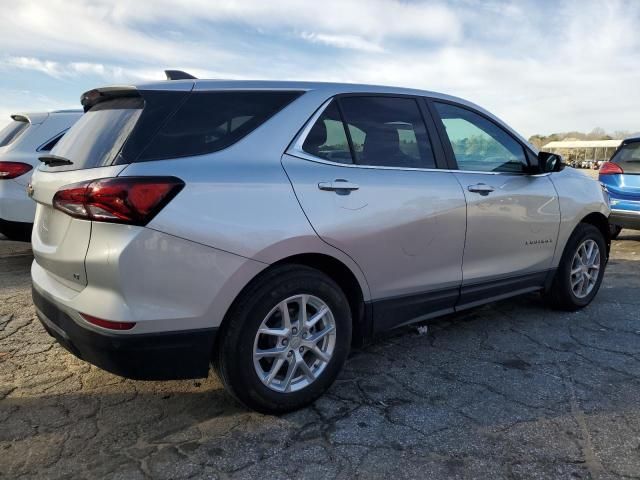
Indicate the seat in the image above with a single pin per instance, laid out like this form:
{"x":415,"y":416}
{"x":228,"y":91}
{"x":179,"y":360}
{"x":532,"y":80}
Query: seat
{"x":315,"y":139}
{"x":382,"y":147}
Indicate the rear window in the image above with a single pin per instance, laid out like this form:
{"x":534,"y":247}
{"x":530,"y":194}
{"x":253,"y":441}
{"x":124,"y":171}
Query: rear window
{"x":211,"y":121}
{"x":47,"y":147}
{"x":162,"y":124}
{"x":12,"y":131}
{"x":97,"y":137}
{"x":628,"y":157}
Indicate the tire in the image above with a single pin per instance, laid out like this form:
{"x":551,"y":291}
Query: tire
{"x":614,"y":231}
{"x":235,"y":359}
{"x":562,"y":295}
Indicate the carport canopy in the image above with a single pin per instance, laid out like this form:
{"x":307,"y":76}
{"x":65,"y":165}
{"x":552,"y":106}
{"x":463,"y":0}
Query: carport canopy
{"x":590,"y":150}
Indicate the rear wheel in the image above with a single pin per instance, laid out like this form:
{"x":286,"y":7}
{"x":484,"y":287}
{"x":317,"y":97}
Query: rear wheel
{"x":581,"y":269}
{"x":286,"y":340}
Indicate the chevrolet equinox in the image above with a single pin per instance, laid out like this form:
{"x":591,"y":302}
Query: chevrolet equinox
{"x":267,"y":227}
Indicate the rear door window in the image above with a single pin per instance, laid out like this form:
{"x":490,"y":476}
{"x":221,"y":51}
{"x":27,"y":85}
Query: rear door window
{"x":327,"y":138}
{"x":12,"y":131}
{"x":211,"y":121}
{"x":628,"y":157}
{"x":387,"y":131}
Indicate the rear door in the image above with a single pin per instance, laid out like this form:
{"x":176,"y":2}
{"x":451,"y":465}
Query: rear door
{"x":513,"y":216}
{"x":59,"y":241}
{"x":370,"y":186}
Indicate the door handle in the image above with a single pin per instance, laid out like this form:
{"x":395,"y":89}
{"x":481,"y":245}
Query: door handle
{"x":481,"y":188}
{"x":338,"y":185}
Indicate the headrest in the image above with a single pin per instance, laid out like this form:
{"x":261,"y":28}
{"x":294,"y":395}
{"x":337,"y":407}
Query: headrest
{"x":317,"y":136}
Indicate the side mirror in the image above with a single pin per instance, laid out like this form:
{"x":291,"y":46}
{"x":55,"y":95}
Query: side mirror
{"x":550,"y":162}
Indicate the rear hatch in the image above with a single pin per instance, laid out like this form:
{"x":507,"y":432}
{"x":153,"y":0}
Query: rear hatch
{"x":627,"y":184}
{"x":88,"y":151}
{"x":123,"y":125}
{"x":10,"y":133}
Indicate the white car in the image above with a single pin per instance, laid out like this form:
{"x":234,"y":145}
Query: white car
{"x":22,"y":141}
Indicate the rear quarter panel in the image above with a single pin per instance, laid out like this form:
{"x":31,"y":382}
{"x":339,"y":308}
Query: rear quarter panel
{"x":240,"y":200}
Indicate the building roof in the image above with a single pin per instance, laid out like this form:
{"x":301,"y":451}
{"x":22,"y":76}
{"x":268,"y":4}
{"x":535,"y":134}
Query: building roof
{"x":583,"y":144}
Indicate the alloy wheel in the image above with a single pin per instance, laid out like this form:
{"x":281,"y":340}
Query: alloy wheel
{"x":294,"y":343}
{"x":585,"y":268}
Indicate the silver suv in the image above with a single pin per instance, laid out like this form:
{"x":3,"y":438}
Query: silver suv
{"x":267,"y":227}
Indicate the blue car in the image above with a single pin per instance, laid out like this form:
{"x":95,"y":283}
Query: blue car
{"x":621,"y":178}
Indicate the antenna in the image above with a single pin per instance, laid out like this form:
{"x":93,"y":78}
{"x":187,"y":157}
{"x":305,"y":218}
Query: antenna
{"x":178,"y":75}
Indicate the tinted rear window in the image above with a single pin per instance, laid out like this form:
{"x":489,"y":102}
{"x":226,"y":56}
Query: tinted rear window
{"x":211,"y":121}
{"x":51,"y":143}
{"x":12,"y":131}
{"x":628,"y":157}
{"x":163,"y":124}
{"x":97,"y":137}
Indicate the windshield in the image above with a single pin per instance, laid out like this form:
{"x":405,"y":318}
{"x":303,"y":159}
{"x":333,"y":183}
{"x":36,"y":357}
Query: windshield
{"x":12,"y":131}
{"x":96,"y":139}
{"x":628,"y":157}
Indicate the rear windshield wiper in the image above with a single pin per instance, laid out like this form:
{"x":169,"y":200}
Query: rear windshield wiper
{"x":54,"y":160}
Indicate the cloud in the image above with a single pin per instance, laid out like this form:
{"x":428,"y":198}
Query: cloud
{"x":541,"y":66}
{"x":70,"y":70}
{"x":87,"y":29}
{"x":21,"y":100}
{"x":368,"y":19}
{"x":342,"y":41}
{"x":29,"y":63}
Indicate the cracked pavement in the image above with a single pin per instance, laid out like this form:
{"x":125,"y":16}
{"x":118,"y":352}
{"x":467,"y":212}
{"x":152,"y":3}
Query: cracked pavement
{"x":510,"y":390}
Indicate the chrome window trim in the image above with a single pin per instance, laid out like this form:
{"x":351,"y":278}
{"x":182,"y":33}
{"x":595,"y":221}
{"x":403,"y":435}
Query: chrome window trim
{"x":295,"y":150}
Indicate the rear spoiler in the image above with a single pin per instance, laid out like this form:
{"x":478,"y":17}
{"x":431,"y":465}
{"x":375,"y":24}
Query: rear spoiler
{"x":20,"y":118}
{"x":34,"y":118}
{"x":97,"y":95}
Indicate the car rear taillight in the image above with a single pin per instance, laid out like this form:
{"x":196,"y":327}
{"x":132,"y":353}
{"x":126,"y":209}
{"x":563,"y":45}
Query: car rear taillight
{"x":9,"y":170}
{"x":110,"y":324}
{"x":130,"y":200}
{"x":610,"y":168}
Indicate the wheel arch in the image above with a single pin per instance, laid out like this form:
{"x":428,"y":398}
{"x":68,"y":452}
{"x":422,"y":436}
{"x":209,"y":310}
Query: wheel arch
{"x":335,"y":269}
{"x":601,"y":222}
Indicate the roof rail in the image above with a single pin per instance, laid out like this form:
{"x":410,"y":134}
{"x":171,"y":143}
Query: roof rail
{"x":178,"y":75}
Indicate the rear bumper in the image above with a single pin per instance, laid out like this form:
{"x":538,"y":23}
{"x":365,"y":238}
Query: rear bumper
{"x":625,"y":218}
{"x":147,"y":356}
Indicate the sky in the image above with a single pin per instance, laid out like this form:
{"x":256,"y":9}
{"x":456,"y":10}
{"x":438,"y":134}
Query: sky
{"x":542,"y":66}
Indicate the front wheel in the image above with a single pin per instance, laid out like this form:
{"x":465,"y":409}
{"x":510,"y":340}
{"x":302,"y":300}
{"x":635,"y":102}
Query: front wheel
{"x":581,"y":269}
{"x":285,"y":340}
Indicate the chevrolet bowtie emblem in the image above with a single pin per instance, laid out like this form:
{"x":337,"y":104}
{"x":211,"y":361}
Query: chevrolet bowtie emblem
{"x":30,"y":190}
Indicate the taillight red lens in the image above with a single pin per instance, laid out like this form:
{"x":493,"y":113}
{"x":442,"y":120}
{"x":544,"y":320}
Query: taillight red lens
{"x":130,"y":200}
{"x":9,"y":170}
{"x":110,"y":324}
{"x":610,"y":168}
